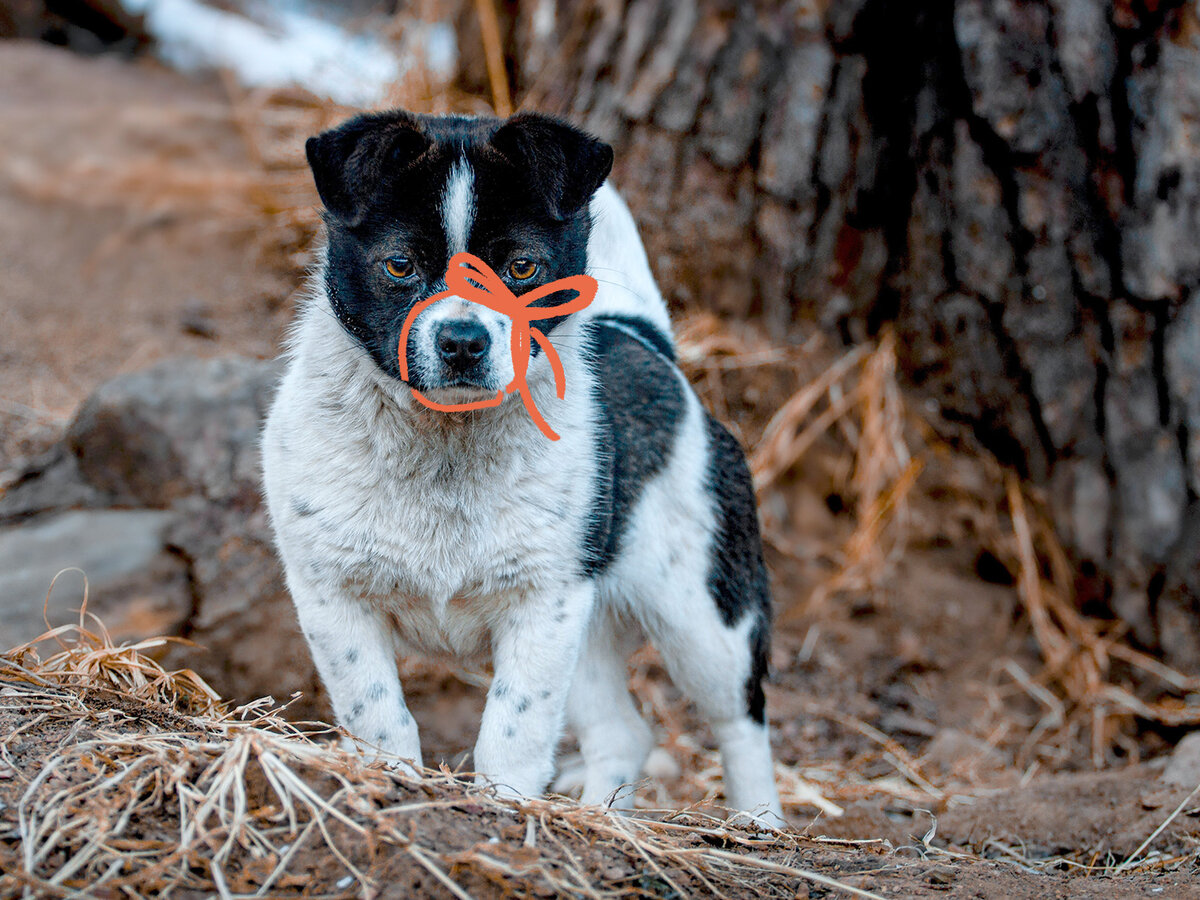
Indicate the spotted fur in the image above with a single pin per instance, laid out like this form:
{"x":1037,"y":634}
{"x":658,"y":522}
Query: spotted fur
{"x":405,"y":530}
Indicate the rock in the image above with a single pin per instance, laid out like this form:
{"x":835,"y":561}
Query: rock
{"x":183,"y":427}
{"x":50,"y":482}
{"x":248,"y":640}
{"x":1180,"y":777}
{"x":1183,"y":769}
{"x":181,"y":437}
{"x":134,"y":585}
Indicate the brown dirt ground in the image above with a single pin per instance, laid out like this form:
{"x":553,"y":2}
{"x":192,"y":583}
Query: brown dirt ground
{"x":900,"y":701}
{"x":444,"y":818}
{"x":94,"y":285}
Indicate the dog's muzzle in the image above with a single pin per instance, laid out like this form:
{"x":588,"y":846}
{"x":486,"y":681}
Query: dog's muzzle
{"x":462,"y":344}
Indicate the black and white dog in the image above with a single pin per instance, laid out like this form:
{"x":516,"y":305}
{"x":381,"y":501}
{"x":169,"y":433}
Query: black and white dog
{"x":407,"y":529}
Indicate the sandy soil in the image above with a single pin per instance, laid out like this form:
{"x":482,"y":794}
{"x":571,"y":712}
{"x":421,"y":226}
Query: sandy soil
{"x":93,"y":286}
{"x":878,"y":696}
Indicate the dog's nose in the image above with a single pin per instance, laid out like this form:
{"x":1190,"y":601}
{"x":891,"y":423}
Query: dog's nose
{"x":462,"y":343}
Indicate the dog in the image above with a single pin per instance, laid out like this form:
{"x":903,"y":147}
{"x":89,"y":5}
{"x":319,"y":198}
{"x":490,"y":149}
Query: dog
{"x":405,"y":529}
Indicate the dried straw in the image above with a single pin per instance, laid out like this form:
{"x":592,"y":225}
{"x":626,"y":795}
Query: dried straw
{"x":168,"y":791}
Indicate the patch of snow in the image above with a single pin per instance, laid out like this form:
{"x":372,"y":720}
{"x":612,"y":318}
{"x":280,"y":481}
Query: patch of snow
{"x":292,"y":47}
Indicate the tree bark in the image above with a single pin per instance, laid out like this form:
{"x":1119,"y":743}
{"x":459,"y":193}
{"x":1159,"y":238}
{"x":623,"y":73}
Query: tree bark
{"x":1015,"y":185}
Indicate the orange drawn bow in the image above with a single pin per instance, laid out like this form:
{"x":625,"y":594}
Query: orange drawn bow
{"x":471,"y":279}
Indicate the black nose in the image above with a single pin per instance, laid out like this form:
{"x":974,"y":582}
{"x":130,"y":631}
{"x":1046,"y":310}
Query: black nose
{"x":461,"y":344}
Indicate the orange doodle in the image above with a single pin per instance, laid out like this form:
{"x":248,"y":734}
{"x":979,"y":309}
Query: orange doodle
{"x":470,"y":278}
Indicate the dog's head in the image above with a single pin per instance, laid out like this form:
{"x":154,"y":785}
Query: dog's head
{"x":403,"y":193}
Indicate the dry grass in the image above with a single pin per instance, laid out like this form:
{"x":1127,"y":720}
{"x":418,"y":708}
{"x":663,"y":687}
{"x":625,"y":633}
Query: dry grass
{"x":118,"y":777}
{"x":146,"y":785}
{"x":801,"y":408}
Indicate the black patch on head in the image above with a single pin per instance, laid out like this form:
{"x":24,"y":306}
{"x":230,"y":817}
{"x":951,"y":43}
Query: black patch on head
{"x":351,"y":161}
{"x":382,"y":178}
{"x":737,"y":575}
{"x":566,"y":165}
{"x":639,"y":405}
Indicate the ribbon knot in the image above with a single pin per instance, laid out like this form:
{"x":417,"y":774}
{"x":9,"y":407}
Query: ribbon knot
{"x":471,"y":279}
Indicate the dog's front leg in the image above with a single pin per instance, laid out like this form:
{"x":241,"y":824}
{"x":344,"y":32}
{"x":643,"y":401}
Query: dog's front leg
{"x":352,"y":647}
{"x":534,"y":652}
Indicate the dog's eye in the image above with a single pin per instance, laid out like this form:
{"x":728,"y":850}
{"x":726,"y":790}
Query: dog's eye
{"x":398,"y":267}
{"x":522,"y":269}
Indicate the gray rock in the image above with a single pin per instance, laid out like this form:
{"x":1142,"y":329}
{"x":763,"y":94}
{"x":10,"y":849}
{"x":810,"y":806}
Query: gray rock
{"x":1183,"y":768}
{"x":50,"y":482}
{"x":180,"y":428}
{"x":134,"y":585}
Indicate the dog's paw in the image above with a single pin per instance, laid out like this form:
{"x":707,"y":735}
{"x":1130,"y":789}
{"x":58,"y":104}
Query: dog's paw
{"x":571,"y":774}
{"x":370,"y":755}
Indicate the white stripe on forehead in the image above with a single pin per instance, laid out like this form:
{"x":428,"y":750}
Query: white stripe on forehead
{"x":458,"y":207}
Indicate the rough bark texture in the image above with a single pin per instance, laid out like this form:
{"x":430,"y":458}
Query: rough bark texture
{"x":1015,"y":185}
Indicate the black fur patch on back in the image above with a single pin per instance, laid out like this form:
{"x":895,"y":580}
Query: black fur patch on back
{"x":640,"y":405}
{"x":737,"y":575}
{"x":643,"y":330}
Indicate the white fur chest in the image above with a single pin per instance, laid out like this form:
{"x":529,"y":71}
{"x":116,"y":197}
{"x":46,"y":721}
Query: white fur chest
{"x":439,"y":527}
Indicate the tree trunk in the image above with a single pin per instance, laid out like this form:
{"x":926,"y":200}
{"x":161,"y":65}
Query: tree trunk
{"x":1015,"y":185}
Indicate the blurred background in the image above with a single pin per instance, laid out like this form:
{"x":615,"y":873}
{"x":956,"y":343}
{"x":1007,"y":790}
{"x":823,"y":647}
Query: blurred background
{"x":935,"y":263}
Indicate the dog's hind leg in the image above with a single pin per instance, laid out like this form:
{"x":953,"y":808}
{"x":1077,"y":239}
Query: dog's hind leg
{"x":720,"y":668}
{"x":613,"y":738}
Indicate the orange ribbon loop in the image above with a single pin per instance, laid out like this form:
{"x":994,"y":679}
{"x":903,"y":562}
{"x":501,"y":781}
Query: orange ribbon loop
{"x":471,"y":279}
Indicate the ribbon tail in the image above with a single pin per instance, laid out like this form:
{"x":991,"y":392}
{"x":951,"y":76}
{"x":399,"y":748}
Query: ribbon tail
{"x":536,"y":414}
{"x":560,"y":375}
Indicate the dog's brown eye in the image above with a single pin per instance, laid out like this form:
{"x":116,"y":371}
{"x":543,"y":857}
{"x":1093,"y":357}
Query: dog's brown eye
{"x":398,"y":266}
{"x":522,"y":269}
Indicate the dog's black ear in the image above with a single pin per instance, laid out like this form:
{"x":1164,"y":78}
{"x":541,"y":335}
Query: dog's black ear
{"x":564,"y":163}
{"x":348,"y":162}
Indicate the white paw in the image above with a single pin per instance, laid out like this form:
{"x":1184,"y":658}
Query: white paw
{"x":571,"y":774}
{"x":502,"y":788}
{"x":369,"y":754}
